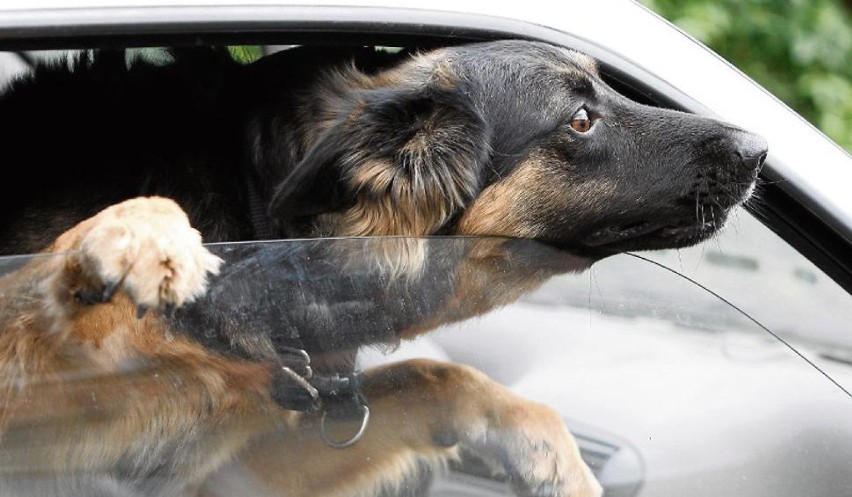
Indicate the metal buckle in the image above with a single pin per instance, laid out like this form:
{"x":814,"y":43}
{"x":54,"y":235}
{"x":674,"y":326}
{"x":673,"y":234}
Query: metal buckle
{"x":365,"y":419}
{"x":303,"y":390}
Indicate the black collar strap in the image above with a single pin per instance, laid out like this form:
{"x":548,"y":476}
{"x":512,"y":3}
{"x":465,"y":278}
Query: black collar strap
{"x":257,"y":209}
{"x":297,"y":387}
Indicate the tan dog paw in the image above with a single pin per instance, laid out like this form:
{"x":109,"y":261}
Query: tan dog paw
{"x":146,"y":248}
{"x":458,"y":406}
{"x":538,"y":454}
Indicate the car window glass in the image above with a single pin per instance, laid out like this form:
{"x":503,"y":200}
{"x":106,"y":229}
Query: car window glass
{"x":667,"y":394}
{"x":760,"y":273}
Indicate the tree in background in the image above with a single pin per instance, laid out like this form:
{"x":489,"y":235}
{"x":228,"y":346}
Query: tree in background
{"x":800,"y":50}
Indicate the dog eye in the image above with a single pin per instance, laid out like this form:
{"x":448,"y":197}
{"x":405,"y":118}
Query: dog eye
{"x":580,"y":121}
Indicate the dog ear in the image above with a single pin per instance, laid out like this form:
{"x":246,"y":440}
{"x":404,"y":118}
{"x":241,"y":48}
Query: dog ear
{"x":397,"y":162}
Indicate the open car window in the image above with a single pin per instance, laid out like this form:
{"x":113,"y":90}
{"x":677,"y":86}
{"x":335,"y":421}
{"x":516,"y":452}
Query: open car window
{"x":719,"y":370}
{"x":668,"y":389}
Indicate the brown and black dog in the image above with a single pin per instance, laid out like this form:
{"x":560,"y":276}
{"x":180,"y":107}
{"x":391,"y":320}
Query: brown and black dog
{"x":511,"y":139}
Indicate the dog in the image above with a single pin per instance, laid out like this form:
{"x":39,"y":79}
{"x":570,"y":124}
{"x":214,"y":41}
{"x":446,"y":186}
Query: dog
{"x":506,"y":141}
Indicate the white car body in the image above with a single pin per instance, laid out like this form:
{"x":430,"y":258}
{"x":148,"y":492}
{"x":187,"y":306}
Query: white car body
{"x":718,"y":412}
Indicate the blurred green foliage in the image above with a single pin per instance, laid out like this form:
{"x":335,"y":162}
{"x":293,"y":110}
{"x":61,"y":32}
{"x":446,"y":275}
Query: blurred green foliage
{"x":800,"y":50}
{"x":245,"y":53}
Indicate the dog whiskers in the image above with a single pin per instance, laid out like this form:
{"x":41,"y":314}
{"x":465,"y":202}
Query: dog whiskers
{"x":762,"y":181}
{"x":697,"y":207}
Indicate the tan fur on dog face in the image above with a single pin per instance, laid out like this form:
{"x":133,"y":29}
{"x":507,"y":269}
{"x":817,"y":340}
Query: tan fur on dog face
{"x":538,"y":189}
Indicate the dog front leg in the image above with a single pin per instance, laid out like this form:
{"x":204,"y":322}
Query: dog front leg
{"x":422,"y":412}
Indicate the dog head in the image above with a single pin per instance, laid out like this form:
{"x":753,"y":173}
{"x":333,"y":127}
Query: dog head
{"x":517,"y":139}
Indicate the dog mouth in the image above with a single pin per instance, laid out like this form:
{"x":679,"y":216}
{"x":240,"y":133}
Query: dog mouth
{"x":690,"y":219}
{"x":651,"y":235}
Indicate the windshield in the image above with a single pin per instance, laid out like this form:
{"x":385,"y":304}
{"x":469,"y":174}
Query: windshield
{"x":373,"y":339}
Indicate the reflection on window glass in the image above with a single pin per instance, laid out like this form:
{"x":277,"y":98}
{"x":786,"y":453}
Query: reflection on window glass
{"x":339,"y":367}
{"x":758,"y":272}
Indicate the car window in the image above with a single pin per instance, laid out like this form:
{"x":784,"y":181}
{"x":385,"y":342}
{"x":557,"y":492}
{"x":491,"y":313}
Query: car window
{"x":668,"y":389}
{"x":717,"y":370}
{"x":758,"y":272}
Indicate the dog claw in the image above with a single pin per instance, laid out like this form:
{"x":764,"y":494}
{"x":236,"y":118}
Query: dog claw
{"x":109,"y":291}
{"x":89,"y":296}
{"x":85,"y":296}
{"x":140,"y":311}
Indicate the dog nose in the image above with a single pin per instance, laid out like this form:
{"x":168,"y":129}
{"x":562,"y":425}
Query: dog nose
{"x":751,"y":149}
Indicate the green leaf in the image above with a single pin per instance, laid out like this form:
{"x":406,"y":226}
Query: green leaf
{"x":245,"y":54}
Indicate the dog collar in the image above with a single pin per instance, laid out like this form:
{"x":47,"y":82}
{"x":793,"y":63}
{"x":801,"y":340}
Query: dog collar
{"x":260,"y":225}
{"x":297,"y":387}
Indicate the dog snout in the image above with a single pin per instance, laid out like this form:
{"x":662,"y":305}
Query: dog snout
{"x":751,"y":149}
